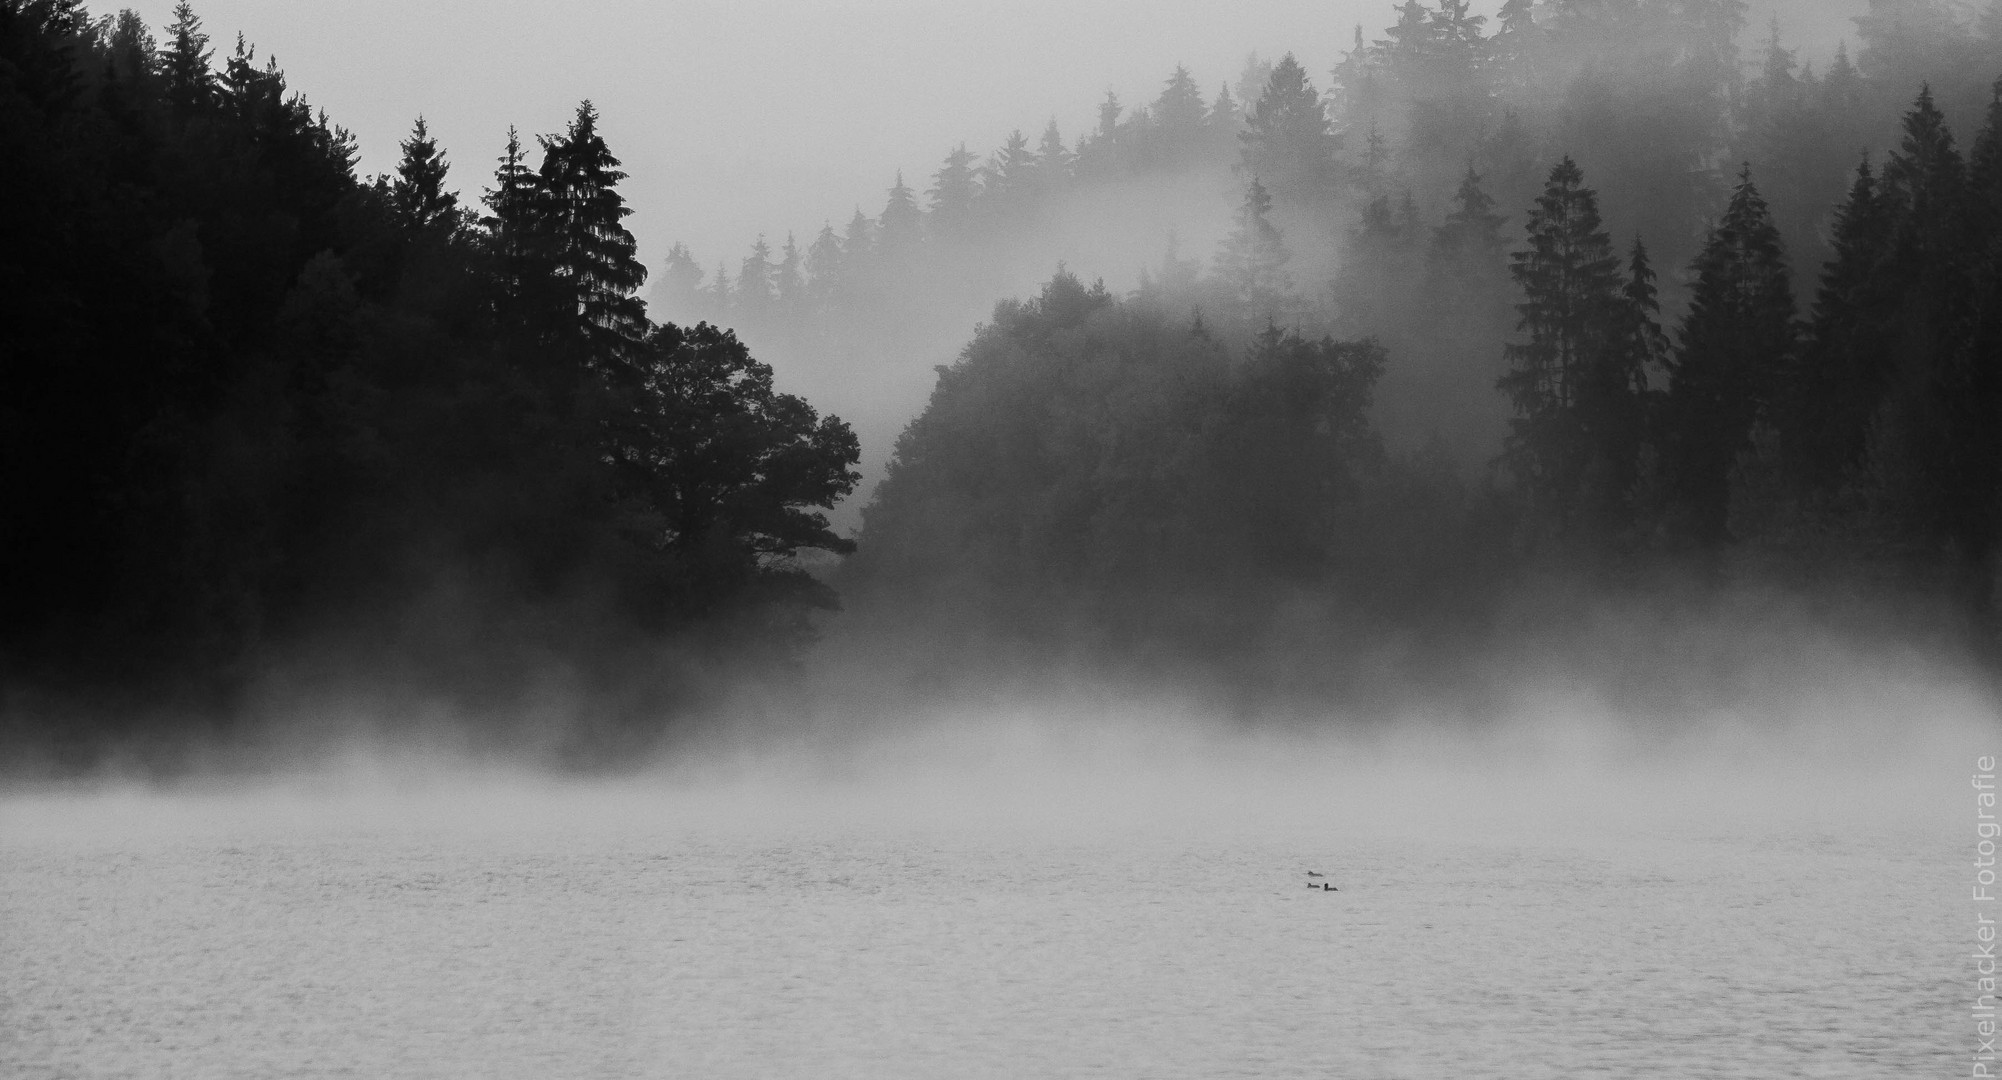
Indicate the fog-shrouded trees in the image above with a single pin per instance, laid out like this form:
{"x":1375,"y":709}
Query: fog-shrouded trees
{"x":1252,"y":262}
{"x":1934,"y":444}
{"x":1107,"y":460}
{"x":1831,"y":400}
{"x":1576,"y":379}
{"x":730,"y":477}
{"x":1734,"y":346}
{"x":254,"y":407}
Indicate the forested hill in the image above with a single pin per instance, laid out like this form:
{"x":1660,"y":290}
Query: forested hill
{"x":1587,"y":290}
{"x":260,"y":414}
{"x":1662,"y":361}
{"x":1659,"y":102}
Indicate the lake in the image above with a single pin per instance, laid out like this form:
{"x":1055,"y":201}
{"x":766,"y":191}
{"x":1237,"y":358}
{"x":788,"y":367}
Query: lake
{"x":1011,"y":913}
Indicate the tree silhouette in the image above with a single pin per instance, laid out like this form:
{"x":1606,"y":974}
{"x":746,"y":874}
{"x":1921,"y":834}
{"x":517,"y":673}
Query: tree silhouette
{"x":1571,"y":386}
{"x":1732,"y":348}
{"x":418,"y":193}
{"x":1287,"y":141}
{"x":1252,"y":263}
{"x":1826,"y":411}
{"x":594,"y":254}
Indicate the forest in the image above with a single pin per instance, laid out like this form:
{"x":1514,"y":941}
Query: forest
{"x":1584,"y":300}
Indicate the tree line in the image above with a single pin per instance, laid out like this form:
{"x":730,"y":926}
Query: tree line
{"x":258,"y":410}
{"x":1652,"y":97}
{"x":1126,"y":470}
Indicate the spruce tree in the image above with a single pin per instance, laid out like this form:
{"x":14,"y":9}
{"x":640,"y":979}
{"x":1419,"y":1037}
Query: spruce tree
{"x":1179,"y":109}
{"x":1287,"y":141}
{"x":185,"y":64}
{"x":858,"y":243}
{"x":1180,"y":120}
{"x":757,"y":294}
{"x":1826,"y":408}
{"x":1054,"y":161}
{"x":514,"y":229}
{"x":1224,"y":114}
{"x":900,"y":228}
{"x":1252,"y":264}
{"x":1978,"y":518}
{"x":1935,"y":448}
{"x":594,"y":254}
{"x":418,"y":195}
{"x":1471,"y":235}
{"x":954,"y":187}
{"x":1732,"y":347}
{"x":1008,"y":179}
{"x":787,"y":282}
{"x":825,"y":266}
{"x":722,"y":297}
{"x":1565,"y":380}
{"x":678,"y":290}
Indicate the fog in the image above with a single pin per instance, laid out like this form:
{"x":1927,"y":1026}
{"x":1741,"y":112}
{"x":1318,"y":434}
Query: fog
{"x":744,"y":120}
{"x":740,"y":118}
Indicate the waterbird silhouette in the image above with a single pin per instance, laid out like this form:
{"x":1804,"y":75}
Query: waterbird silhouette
{"x":1315,"y":873}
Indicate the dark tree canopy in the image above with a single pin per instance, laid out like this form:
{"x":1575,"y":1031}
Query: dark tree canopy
{"x":1733,"y":348}
{"x":252,"y":406}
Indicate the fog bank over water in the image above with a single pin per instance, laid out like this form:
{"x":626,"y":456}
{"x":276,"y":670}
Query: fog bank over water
{"x":1886,"y":747}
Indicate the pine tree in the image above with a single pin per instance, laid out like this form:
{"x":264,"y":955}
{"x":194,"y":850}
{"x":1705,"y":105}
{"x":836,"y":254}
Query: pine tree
{"x":418,"y":195}
{"x":594,"y":254}
{"x":955,"y":186}
{"x":1008,"y":179}
{"x":1732,"y":348}
{"x":788,"y":283}
{"x":1827,"y":408}
{"x":1471,"y":235}
{"x":1287,"y":141}
{"x":1638,"y":337}
{"x":900,"y":228}
{"x":1935,"y":447}
{"x":1977,"y":519}
{"x":1053,"y":161}
{"x":722,"y":298}
{"x":858,"y":243}
{"x":678,"y":291}
{"x":1180,"y":118}
{"x":1108,"y":118}
{"x":517,"y":237}
{"x":825,"y":266}
{"x":191,"y":85}
{"x":1224,"y":114}
{"x":133,"y":54}
{"x":1252,"y":264}
{"x":757,"y":295}
{"x":1566,"y":435}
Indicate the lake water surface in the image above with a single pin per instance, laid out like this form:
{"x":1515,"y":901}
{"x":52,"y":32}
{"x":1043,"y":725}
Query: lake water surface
{"x":1702,"y":920}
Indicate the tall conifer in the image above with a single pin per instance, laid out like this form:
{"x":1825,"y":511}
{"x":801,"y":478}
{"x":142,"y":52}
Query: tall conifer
{"x":1252,"y":264}
{"x":185,"y":63}
{"x":1732,"y":347}
{"x":594,"y":253}
{"x":418,"y":193}
{"x":1826,"y":408}
{"x":1569,"y":379}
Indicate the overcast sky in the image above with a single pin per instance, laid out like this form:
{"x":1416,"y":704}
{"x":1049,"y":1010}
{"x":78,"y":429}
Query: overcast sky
{"x":747,"y":116}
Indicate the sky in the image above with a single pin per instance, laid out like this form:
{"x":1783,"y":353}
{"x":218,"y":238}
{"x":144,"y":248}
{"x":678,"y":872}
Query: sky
{"x":741,"y":117}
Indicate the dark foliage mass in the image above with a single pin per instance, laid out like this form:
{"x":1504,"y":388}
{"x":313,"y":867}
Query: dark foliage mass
{"x":1576,"y":294}
{"x":253,"y":406}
